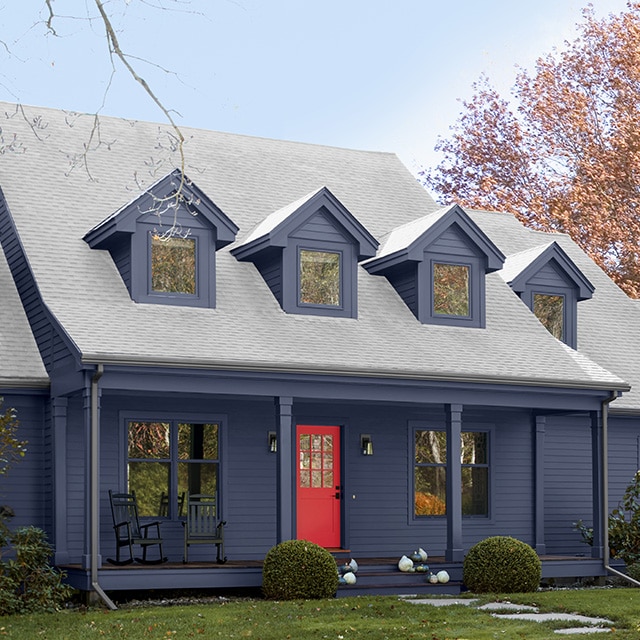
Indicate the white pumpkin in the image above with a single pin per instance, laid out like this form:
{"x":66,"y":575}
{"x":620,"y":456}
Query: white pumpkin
{"x":405,"y":564}
{"x":433,"y":578}
{"x":442,"y":576}
{"x":349,"y":578}
{"x":354,"y":566}
{"x":424,"y":556}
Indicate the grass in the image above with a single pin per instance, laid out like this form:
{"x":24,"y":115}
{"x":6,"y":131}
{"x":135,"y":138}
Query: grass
{"x":370,"y":618}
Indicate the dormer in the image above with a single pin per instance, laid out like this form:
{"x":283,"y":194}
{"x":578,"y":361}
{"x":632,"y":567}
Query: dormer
{"x":437,"y":264}
{"x":163,"y":243}
{"x":308,"y":253}
{"x":551,"y":285}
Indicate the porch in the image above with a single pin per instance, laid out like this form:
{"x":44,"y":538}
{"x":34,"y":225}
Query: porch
{"x":376,"y":576}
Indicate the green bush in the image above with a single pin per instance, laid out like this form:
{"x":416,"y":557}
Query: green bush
{"x":299,"y":569}
{"x":29,"y":583}
{"x":501,"y":564}
{"x":624,"y":526}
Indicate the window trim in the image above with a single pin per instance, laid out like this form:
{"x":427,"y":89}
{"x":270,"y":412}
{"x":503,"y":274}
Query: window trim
{"x":489,"y":430}
{"x":569,"y":309}
{"x":477,"y":312}
{"x":348,"y":307}
{"x":205,"y":275}
{"x":182,"y":418}
{"x":341,"y":277}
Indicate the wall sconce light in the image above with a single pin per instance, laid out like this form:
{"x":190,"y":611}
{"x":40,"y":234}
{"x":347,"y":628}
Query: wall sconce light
{"x":273,"y":441}
{"x":366,"y":444}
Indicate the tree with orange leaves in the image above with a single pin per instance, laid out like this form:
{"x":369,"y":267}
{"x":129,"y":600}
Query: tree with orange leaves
{"x":564,"y":154}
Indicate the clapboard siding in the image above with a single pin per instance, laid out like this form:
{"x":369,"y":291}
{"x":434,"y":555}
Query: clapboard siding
{"x":404,"y":280}
{"x":269,"y":264}
{"x":453,"y":242}
{"x":23,"y":488}
{"x":568,"y":490}
{"x":550,"y":276}
{"x":321,"y":227}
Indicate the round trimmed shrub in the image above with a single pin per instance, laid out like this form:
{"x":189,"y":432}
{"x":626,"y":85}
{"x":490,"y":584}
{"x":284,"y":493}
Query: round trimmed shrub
{"x":501,"y":564}
{"x":299,"y":569}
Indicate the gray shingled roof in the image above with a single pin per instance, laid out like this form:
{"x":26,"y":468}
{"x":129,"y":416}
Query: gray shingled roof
{"x":54,"y":203}
{"x":20,"y":362}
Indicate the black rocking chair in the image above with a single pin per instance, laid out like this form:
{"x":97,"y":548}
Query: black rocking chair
{"x":202,"y":525}
{"x":129,"y":531}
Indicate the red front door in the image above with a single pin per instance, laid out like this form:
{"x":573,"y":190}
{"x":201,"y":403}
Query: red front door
{"x":318,"y":485}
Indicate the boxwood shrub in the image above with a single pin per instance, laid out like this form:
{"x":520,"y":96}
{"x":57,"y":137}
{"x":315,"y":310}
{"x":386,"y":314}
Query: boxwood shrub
{"x":299,"y":569}
{"x":501,"y":564}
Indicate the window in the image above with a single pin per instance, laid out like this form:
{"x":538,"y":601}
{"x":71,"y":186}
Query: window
{"x":549,"y":310}
{"x":173,"y":265}
{"x":451,"y":289}
{"x":320,"y":278}
{"x":167,"y":459}
{"x":430,"y":471}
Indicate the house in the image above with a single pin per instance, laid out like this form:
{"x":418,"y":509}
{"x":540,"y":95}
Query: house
{"x":302,"y":331}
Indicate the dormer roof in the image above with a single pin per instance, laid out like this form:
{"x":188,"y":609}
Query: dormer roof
{"x":521,"y":267}
{"x":409,"y":241}
{"x":159,"y":201}
{"x":275,"y":229}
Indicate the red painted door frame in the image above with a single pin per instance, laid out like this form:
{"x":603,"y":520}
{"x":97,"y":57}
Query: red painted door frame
{"x":318,"y":494}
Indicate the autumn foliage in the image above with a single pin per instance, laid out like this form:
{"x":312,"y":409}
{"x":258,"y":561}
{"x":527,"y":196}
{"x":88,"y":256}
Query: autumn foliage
{"x":563,"y":153}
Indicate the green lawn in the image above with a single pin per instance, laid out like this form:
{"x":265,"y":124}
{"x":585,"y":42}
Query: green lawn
{"x":365,"y":618}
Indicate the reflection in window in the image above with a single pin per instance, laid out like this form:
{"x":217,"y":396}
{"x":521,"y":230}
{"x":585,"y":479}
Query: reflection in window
{"x":430,"y":497}
{"x":319,"y":278}
{"x":450,"y":289}
{"x":550,"y":311}
{"x":168,"y":459}
{"x":173,"y":265}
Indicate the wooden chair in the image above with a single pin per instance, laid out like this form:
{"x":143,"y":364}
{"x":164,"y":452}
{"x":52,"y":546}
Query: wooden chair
{"x":129,"y":531}
{"x":202,"y":525}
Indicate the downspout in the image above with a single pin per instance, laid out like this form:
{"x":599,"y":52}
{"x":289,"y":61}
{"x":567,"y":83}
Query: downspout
{"x":605,"y":490}
{"x":95,"y":493}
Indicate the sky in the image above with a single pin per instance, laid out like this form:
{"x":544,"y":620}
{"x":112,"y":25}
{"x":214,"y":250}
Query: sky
{"x":381,"y":75}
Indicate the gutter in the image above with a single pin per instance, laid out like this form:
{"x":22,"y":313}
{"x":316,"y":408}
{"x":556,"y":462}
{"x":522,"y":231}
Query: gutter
{"x":398,"y":374}
{"x":95,"y":494}
{"x":605,"y":492}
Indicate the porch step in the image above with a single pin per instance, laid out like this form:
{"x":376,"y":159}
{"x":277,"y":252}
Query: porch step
{"x":386,"y":579}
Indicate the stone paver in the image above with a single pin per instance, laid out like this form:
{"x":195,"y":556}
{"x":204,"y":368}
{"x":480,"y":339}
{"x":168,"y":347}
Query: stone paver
{"x":524,"y":612}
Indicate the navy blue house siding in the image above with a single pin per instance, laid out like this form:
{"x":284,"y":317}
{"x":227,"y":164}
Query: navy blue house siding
{"x":26,"y":488}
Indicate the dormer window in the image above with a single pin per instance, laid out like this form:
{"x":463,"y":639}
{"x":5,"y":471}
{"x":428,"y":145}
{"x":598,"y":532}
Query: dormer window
{"x":173,"y":265}
{"x":550,"y":311}
{"x":167,"y":257}
{"x":319,"y":276}
{"x":437,"y":264}
{"x":451,"y":289}
{"x":551,"y":285}
{"x":308,"y":255}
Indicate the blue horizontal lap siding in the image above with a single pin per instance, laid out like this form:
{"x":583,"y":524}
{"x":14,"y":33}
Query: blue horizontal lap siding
{"x":404,"y":280}
{"x":568,"y":486}
{"x":321,"y":227}
{"x":550,"y":276}
{"x":455,"y":243}
{"x":23,"y":487}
